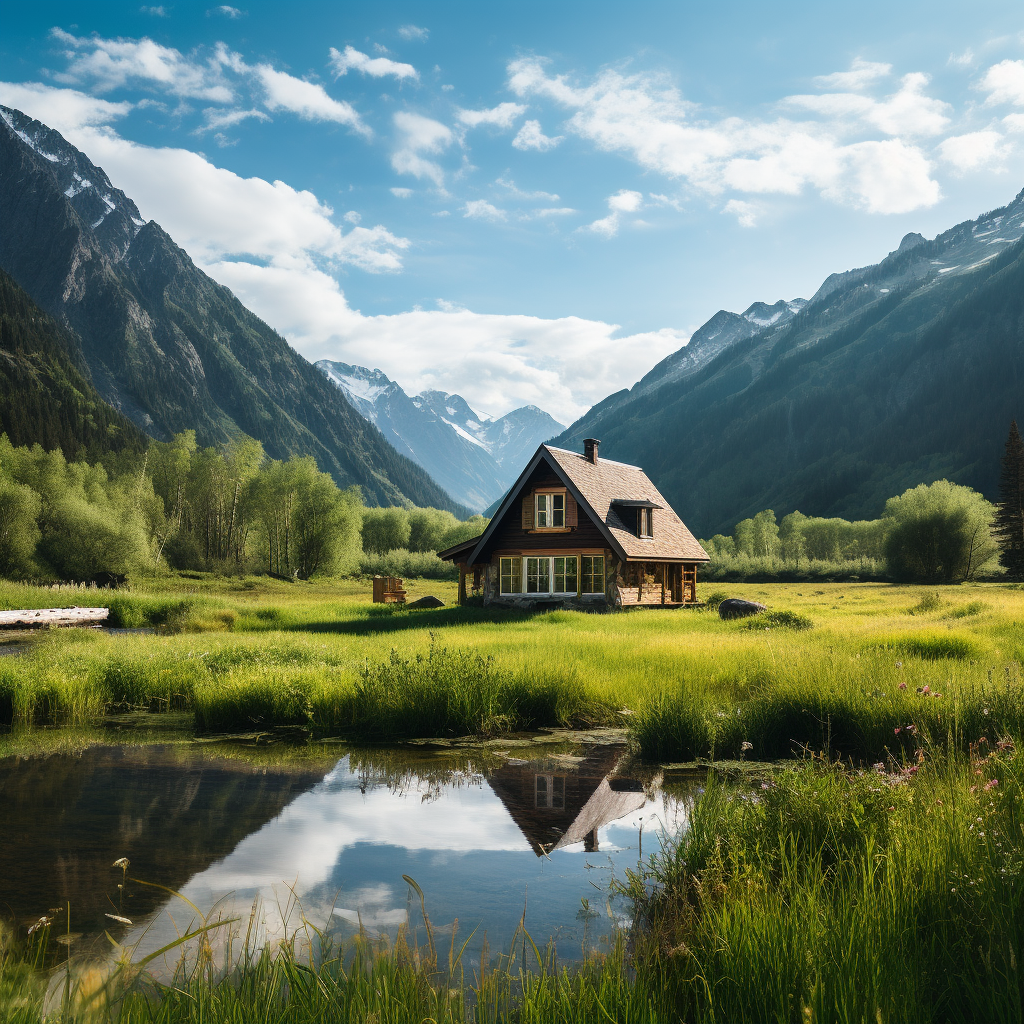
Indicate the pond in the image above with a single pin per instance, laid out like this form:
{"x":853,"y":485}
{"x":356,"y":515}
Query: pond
{"x":536,"y":826}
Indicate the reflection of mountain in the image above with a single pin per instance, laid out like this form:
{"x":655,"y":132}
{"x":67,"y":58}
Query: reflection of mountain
{"x":560,"y":801}
{"x":172,"y":813}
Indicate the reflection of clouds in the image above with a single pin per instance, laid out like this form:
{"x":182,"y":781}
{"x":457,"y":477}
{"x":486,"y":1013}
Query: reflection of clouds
{"x":293,"y":868}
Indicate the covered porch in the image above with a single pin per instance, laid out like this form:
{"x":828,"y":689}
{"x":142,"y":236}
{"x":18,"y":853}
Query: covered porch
{"x":657,"y":583}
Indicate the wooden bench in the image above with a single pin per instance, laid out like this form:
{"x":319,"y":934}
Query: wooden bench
{"x":388,"y":590}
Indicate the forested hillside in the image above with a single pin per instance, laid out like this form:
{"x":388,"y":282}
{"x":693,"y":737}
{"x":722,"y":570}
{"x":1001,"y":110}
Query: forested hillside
{"x":892,"y":375}
{"x":45,"y":392}
{"x":164,"y":343}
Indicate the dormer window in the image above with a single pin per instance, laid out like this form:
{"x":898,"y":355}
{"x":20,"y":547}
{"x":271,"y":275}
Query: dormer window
{"x":549,"y":511}
{"x":645,"y":522}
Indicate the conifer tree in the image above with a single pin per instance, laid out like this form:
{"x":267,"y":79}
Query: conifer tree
{"x":1009,"y":520}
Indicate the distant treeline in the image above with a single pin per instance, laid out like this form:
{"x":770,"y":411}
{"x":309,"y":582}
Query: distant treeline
{"x":177,"y":505}
{"x":940,"y":532}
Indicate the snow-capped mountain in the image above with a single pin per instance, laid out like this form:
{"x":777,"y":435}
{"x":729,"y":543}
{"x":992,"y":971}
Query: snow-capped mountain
{"x":472,"y":457}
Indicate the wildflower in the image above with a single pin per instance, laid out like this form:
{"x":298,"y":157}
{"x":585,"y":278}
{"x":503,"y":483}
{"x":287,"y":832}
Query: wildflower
{"x":899,"y":664}
{"x":991,"y":784}
{"x":878,"y":766}
{"x":902,"y":686}
{"x":984,"y":711}
{"x":896,"y":731}
{"x":911,"y":729}
{"x":43,"y":922}
{"x":890,"y":808}
{"x":745,"y":746}
{"x":936,"y":694}
{"x":926,"y":688}
{"x":122,"y":863}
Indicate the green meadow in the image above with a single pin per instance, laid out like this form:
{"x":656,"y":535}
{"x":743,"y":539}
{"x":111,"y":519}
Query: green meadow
{"x":857,"y":853}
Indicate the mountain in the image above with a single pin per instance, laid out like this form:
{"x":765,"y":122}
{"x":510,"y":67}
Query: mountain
{"x":163,"y":343}
{"x":473,"y":458}
{"x":890,"y":375}
{"x":46,"y":394}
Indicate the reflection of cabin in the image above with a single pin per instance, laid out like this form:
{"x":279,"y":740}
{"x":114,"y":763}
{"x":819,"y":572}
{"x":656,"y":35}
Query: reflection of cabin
{"x":556,"y":804}
{"x":388,"y":590}
{"x":579,"y":530}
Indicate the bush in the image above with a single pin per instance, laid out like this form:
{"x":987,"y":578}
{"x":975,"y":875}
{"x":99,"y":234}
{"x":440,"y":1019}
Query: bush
{"x":779,"y":620}
{"x":408,"y":565}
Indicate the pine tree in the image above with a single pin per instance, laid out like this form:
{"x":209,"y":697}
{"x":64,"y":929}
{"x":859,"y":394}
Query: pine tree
{"x":1009,"y":521}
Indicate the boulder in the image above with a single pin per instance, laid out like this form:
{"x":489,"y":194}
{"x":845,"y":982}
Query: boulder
{"x":426,"y":602}
{"x":736,"y":608}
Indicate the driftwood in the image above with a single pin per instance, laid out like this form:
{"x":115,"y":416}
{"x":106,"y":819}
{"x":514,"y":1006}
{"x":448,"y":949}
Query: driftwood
{"x":33,"y":618}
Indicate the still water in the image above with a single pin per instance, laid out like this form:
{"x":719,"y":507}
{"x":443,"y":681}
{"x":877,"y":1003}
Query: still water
{"x":328,"y":832}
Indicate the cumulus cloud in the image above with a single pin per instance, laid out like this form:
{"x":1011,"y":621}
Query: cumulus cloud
{"x":973,"y":151}
{"x":112,"y":63}
{"x":1004,"y":83}
{"x":646,"y":118}
{"x":862,"y":74}
{"x":744,"y":212}
{"x":624,"y":201}
{"x":530,"y":136}
{"x":501,"y":116}
{"x":418,"y":135}
{"x":413,"y":33}
{"x":307,"y":99}
{"x":907,"y":112}
{"x":401,"y":193}
{"x":962,"y":60}
{"x":226,"y":11}
{"x":480,"y":209}
{"x":375,"y":67}
{"x":64,"y":110}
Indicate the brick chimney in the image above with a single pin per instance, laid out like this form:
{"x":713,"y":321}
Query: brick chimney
{"x":590,"y":446}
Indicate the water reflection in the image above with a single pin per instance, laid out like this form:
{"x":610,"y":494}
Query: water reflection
{"x":485,"y":834}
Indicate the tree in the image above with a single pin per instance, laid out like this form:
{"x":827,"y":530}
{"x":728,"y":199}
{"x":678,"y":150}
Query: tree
{"x":791,"y":536}
{"x":385,"y":529}
{"x":19,"y":529}
{"x":938,"y":533}
{"x":1009,"y":522}
{"x":765,"y":534}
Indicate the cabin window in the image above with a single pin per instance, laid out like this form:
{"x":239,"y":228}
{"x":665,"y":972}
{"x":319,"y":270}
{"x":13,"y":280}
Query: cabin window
{"x":538,"y":575}
{"x":645,"y":522}
{"x":511,"y":575}
{"x":550,"y":511}
{"x":549,"y":791}
{"x":593,"y":574}
{"x":564,"y":574}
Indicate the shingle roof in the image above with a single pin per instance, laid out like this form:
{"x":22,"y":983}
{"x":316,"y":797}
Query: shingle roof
{"x":602,"y":483}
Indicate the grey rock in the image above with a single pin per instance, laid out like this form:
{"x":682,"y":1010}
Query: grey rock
{"x":736,"y":608}
{"x":426,"y":602}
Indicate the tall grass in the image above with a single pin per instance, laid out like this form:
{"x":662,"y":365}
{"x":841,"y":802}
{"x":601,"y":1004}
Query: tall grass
{"x":891,"y":894}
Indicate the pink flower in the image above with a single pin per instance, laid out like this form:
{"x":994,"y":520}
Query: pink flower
{"x":991,"y":784}
{"x":896,"y":731}
{"x":926,"y":689}
{"x":903,"y":686}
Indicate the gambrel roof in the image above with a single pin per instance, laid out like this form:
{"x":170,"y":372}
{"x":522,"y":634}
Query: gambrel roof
{"x":598,"y":488}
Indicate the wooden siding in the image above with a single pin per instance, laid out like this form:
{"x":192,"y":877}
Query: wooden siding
{"x":509,"y":535}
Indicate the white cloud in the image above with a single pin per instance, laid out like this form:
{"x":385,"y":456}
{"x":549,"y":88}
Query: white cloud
{"x":554,"y":211}
{"x":962,"y":60}
{"x":156,"y":12}
{"x":480,"y":209}
{"x":519,"y":193}
{"x":1004,"y":83}
{"x":413,"y":33}
{"x":647,"y":119}
{"x":419,"y":135}
{"x":530,"y":136}
{"x":907,"y":112}
{"x":217,"y":118}
{"x":215,"y":214}
{"x":307,"y":99}
{"x":501,"y":116}
{"x":61,"y":109}
{"x":226,"y":11}
{"x":862,"y":73}
{"x":744,"y":212}
{"x":112,"y":63}
{"x":1014,"y":122}
{"x":973,"y":151}
{"x":624,"y":201}
{"x":376,"y":67}
{"x":401,"y":193}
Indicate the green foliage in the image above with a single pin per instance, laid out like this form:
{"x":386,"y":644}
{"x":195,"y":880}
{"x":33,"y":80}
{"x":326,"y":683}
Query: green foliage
{"x":779,"y":620}
{"x":385,"y":529}
{"x":19,"y":529}
{"x":938,"y":533}
{"x":407,"y":565}
{"x":1008,"y":527}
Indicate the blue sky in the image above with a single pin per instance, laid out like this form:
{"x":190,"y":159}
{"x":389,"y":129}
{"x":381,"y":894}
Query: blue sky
{"x":528,"y":202}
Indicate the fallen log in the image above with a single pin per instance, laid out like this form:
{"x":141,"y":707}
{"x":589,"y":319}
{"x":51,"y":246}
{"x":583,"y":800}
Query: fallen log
{"x":34,"y":618}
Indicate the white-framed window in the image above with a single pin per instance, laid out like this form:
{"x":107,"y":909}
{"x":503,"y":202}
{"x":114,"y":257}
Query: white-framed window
{"x":511,"y":573}
{"x":645,"y":522}
{"x":549,"y":511}
{"x":592,"y":579}
{"x":549,"y":791}
{"x":542,"y":575}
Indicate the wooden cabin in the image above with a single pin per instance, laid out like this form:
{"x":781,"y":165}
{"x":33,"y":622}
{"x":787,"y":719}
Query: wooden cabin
{"x":577,"y":530}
